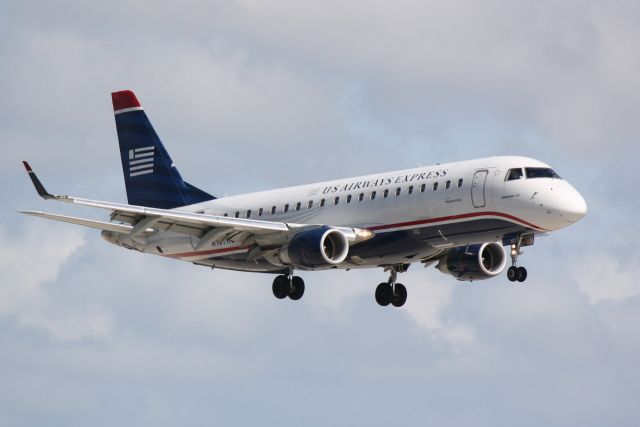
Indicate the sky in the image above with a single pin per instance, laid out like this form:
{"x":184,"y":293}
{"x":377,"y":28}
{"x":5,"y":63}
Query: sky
{"x":251,"y":95}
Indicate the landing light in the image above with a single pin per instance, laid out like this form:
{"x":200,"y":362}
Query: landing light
{"x":363,"y":234}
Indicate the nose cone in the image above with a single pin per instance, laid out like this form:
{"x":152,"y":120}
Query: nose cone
{"x":572,"y":206}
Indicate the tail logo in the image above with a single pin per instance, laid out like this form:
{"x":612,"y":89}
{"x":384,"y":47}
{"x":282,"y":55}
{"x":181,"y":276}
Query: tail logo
{"x":141,"y":161}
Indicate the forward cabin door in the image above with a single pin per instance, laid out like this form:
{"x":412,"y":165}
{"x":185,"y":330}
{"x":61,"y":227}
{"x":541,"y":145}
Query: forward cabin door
{"x":478,"y":188}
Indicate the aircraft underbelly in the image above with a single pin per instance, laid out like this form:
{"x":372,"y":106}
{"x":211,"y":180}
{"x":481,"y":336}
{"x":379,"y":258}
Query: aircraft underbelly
{"x":394,"y":247}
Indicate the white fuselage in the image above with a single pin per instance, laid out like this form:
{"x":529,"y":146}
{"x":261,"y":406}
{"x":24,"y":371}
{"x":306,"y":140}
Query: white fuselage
{"x":443,"y":206}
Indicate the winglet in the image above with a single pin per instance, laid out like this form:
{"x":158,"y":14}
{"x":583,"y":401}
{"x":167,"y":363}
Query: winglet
{"x":36,"y":183}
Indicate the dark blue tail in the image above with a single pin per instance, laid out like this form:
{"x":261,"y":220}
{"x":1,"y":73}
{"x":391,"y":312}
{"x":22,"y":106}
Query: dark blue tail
{"x":150,"y":176}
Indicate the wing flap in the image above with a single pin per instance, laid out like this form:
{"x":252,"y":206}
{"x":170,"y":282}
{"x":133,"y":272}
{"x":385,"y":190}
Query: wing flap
{"x":182,"y":217}
{"x":100,"y":225}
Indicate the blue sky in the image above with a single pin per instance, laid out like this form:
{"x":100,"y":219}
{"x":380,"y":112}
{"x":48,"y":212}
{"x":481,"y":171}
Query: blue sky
{"x":252,"y":95}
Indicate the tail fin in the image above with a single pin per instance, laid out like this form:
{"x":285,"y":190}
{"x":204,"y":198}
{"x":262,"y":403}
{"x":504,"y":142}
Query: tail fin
{"x":150,"y":176}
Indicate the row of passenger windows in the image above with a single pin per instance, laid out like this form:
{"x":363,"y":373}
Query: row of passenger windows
{"x":336,"y":200}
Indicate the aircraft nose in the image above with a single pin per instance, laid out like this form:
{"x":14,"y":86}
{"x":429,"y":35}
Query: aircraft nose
{"x":572,"y":206}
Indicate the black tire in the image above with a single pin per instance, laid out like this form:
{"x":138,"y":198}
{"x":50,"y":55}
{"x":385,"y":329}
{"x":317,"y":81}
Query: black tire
{"x":512,"y":273}
{"x":297,"y":288}
{"x":522,"y":274}
{"x":384,"y":294}
{"x":280,"y":287}
{"x":399,"y":295}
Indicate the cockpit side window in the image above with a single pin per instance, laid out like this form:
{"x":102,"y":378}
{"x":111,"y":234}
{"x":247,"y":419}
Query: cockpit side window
{"x":541,"y":173}
{"x":514,"y":174}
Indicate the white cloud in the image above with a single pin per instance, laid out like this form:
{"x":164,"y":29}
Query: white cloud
{"x":603,"y":277}
{"x":31,"y":257}
{"x":30,"y":261}
{"x":429,"y":298}
{"x":335,"y":294}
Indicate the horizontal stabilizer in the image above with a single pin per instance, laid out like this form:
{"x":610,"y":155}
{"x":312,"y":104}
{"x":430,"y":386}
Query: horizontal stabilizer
{"x":118,"y":228}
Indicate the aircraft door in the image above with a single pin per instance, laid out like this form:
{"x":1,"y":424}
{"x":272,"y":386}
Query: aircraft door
{"x":478,"y":188}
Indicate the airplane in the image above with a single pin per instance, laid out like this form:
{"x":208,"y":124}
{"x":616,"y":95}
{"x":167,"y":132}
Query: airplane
{"x":457,"y":216}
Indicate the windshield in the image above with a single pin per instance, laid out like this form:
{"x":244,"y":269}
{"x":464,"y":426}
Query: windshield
{"x":514,"y":174}
{"x":541,"y":173}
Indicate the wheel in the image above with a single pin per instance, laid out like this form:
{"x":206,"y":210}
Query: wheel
{"x":384,"y":294}
{"x":399,"y":295}
{"x":280,"y":287}
{"x":512,"y":273}
{"x":522,"y":274}
{"x":297,"y":288}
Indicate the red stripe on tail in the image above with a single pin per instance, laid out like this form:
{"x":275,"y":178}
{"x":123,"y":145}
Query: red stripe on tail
{"x":124,"y":99}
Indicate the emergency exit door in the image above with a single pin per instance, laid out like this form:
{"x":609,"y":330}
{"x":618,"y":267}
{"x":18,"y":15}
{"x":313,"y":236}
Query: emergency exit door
{"x":477,"y":188}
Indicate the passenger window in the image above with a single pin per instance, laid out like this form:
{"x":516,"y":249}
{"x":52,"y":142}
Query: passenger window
{"x":337,"y":199}
{"x":273,"y":210}
{"x":226,"y":214}
{"x":423,"y":187}
{"x":260,"y":211}
{"x":514,"y":174}
{"x":435,"y":186}
{"x":322,"y":203}
{"x":460,"y":182}
{"x":298,"y":206}
{"x":248,"y":213}
{"x":373,"y":195}
{"x":447,"y":185}
{"x":398,"y":190}
{"x":310,"y":204}
{"x":286,"y":208}
{"x":385,"y":194}
{"x":361,"y":197}
{"x":410,"y":189}
{"x":349,"y":198}
{"x":237,"y":214}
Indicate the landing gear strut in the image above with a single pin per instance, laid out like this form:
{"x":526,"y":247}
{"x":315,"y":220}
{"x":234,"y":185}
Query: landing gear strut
{"x":288,"y":286}
{"x":515,"y":273}
{"x":391,"y":292}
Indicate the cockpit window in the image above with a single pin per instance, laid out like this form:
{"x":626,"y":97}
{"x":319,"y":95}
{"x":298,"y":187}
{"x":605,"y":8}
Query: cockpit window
{"x":541,"y":173}
{"x":514,"y":174}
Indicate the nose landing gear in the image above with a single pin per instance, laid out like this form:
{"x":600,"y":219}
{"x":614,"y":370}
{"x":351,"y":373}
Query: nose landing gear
{"x":391,"y":292}
{"x":515,"y":273}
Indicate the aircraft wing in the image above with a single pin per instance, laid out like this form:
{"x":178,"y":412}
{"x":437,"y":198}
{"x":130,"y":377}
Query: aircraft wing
{"x":100,"y":225}
{"x":206,"y":227}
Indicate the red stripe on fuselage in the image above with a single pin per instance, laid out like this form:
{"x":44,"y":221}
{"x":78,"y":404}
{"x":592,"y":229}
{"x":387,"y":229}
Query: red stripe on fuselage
{"x":453,"y":218}
{"x":378,"y":227}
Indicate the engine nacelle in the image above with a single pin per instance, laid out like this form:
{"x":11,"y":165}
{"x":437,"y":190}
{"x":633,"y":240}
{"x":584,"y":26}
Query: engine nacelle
{"x":317,"y":248}
{"x":476,"y":262}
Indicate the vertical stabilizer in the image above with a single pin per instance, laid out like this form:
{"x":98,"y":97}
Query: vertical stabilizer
{"x":150,"y":176}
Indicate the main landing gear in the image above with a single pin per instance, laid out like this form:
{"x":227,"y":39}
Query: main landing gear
{"x":391,"y":292}
{"x":288,"y":286}
{"x":515,"y":273}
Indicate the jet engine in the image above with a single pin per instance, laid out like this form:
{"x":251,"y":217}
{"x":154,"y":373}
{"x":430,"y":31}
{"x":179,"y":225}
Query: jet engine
{"x":317,"y":248}
{"x":475,"y":262}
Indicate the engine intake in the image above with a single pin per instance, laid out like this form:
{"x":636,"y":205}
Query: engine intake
{"x":476,"y":262}
{"x":317,"y":248}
